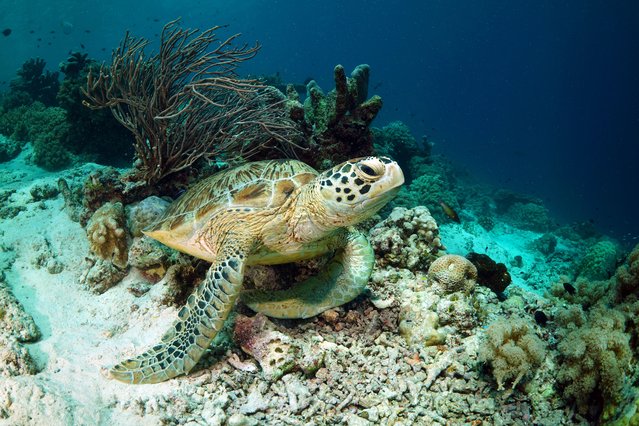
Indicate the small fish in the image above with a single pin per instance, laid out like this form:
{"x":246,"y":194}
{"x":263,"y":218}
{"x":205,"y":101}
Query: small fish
{"x":82,"y":45}
{"x":448,"y":211}
{"x":31,"y":31}
{"x":540,"y":318}
{"x":570,"y":289}
{"x":6,"y":32}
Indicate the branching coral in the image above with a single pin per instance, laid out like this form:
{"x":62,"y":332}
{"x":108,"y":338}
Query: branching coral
{"x":107,"y":235}
{"x":33,"y":84}
{"x":186,"y":103}
{"x":512,"y":349}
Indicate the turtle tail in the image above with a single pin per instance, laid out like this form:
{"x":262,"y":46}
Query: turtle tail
{"x":198,"y":323}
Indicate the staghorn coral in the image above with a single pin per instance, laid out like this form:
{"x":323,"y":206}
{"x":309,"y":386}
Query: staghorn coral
{"x":407,"y":238}
{"x":452,"y":273}
{"x":512,"y":349}
{"x":107,"y":234}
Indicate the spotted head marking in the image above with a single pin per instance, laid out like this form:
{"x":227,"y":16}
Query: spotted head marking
{"x":358,"y":188}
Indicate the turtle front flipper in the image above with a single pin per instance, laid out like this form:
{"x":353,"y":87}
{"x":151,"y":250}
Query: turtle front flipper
{"x":341,"y":281}
{"x":198,"y":323}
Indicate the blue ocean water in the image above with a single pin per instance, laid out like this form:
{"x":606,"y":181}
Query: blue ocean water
{"x":540,"y":97}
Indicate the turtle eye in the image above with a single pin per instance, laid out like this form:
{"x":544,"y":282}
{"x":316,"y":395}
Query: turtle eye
{"x":369,"y":171}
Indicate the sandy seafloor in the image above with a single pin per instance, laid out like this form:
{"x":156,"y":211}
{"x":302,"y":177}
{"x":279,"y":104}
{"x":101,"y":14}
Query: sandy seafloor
{"x":380,"y":380}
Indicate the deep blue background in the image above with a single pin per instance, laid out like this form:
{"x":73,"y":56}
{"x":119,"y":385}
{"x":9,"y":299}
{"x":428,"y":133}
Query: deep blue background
{"x":538,"y":96}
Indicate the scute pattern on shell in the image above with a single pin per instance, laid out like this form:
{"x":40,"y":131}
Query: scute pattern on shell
{"x":260,"y":184}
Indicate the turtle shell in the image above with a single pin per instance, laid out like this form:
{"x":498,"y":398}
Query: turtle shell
{"x":251,"y":187}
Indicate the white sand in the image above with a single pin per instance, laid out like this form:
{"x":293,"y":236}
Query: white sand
{"x":76,"y":324}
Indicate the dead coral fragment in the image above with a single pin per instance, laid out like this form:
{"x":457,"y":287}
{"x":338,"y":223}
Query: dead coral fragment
{"x":273,"y":350}
{"x":14,"y":321}
{"x":452,"y":273}
{"x":106,"y":231}
{"x":513,"y":350}
{"x":14,"y":358}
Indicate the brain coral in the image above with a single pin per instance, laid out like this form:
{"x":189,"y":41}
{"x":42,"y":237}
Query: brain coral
{"x":106,"y":231}
{"x":451,"y":273}
{"x":408,"y":238}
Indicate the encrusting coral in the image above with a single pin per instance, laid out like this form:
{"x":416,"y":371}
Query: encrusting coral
{"x":451,"y":273}
{"x":107,"y":234}
{"x":512,"y":349}
{"x":407,"y":238}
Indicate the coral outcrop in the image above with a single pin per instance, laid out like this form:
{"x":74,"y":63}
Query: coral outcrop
{"x":599,"y":262}
{"x":452,"y":273}
{"x":107,"y":234}
{"x":337,"y":123}
{"x":529,"y":216}
{"x":407,"y":238}
{"x":144,"y":213}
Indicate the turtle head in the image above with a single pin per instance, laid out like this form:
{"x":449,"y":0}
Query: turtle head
{"x":356,"y":189}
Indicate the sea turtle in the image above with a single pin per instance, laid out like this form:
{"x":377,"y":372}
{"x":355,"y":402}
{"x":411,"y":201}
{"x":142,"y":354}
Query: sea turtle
{"x":265,"y":212}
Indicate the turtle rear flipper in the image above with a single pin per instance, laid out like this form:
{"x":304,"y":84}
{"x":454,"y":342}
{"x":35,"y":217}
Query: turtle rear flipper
{"x":341,"y":281}
{"x":198,"y":323}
